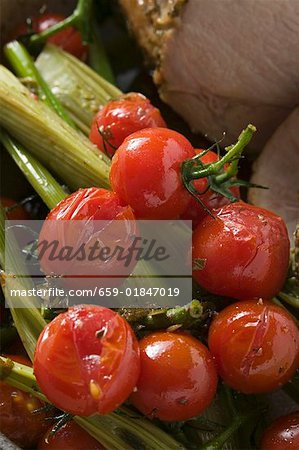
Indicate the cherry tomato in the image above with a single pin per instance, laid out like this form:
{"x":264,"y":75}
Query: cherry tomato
{"x":69,"y":39}
{"x":120,"y":118}
{"x":19,"y":419}
{"x":87,"y":360}
{"x":245,"y":251}
{"x":145,"y":173}
{"x":178,"y":378}
{"x":283,"y":434}
{"x":69,"y":437}
{"x":209,"y":198}
{"x":255,"y":345}
{"x":17,"y":212}
{"x":88,"y":206}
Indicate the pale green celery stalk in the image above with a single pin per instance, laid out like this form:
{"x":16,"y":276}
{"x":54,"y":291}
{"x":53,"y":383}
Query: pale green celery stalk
{"x":120,"y":430}
{"x":38,"y":176}
{"x":24,"y":66}
{"x":80,"y":89}
{"x":63,"y":150}
{"x":28,"y":320}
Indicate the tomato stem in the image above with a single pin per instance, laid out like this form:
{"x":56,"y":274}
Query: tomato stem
{"x":220,"y":179}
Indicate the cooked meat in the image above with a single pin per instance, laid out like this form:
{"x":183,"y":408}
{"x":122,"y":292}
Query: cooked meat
{"x":278,"y":168}
{"x":223,"y":63}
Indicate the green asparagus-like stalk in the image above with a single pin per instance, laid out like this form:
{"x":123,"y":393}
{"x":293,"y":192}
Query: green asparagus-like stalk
{"x":28,"y":320}
{"x":79,"y":88}
{"x":24,"y":66}
{"x":116,"y":431}
{"x":38,"y":176}
{"x":59,"y":147}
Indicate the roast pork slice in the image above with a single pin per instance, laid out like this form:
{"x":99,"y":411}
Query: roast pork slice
{"x":278,"y":168}
{"x":222,"y":64}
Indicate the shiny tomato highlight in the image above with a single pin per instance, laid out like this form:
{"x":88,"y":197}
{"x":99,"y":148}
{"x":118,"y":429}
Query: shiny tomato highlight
{"x":145,"y":173}
{"x":244,"y":250}
{"x":282,"y":434}
{"x":87,"y":360}
{"x":178,"y":378}
{"x":119,"y":118}
{"x":255,"y":345}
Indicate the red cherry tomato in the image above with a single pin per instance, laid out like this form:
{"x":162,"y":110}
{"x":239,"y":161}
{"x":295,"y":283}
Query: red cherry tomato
{"x":209,"y":198}
{"x":69,"y":437}
{"x":178,"y":378}
{"x":19,"y":419}
{"x":120,"y":118}
{"x":245,"y":250}
{"x":145,"y":173}
{"x":88,"y":206}
{"x":69,"y":39}
{"x":283,"y":434}
{"x":255,"y":345}
{"x":87,"y":360}
{"x":17,"y":212}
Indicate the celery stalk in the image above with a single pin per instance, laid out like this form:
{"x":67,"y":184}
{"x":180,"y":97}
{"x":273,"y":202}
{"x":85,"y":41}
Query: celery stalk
{"x":80,"y":89}
{"x":56,"y":144}
{"x":38,"y":176}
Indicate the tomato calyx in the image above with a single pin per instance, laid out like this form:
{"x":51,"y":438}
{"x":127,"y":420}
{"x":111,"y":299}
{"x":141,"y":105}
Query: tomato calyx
{"x":221,"y":174}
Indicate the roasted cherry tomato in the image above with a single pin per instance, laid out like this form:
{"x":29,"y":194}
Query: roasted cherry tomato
{"x":244,"y":250}
{"x":87,"y":360}
{"x":21,"y":418}
{"x":178,"y":378}
{"x":208,"y":197}
{"x":255,"y":345}
{"x":145,"y":173}
{"x":69,"y":437}
{"x":120,"y":118}
{"x":82,"y":210}
{"x":69,"y":39}
{"x":282,"y":434}
{"x":17,"y":212}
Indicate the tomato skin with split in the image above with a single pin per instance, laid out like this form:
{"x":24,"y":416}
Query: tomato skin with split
{"x":69,"y":39}
{"x":145,"y":173}
{"x":209,"y":198}
{"x":120,"y":118}
{"x":282,"y":434}
{"x":17,"y":419}
{"x":255,"y":345}
{"x":178,"y":378}
{"x":87,"y":206}
{"x":245,"y":250}
{"x":69,"y":437}
{"x":87,"y":360}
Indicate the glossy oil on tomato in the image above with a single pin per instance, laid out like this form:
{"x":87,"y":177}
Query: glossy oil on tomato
{"x":69,"y":437}
{"x":282,"y":434}
{"x":178,"y":378}
{"x":87,"y":360}
{"x":145,"y":173}
{"x":69,"y":39}
{"x":84,"y":217}
{"x":208,"y":197}
{"x":245,"y":250}
{"x":255,"y":345}
{"x":19,"y":420}
{"x":119,"y":118}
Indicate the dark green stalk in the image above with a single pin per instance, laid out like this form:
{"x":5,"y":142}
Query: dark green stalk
{"x":38,"y":176}
{"x":78,"y":19}
{"x":98,"y":60}
{"x":24,"y":67}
